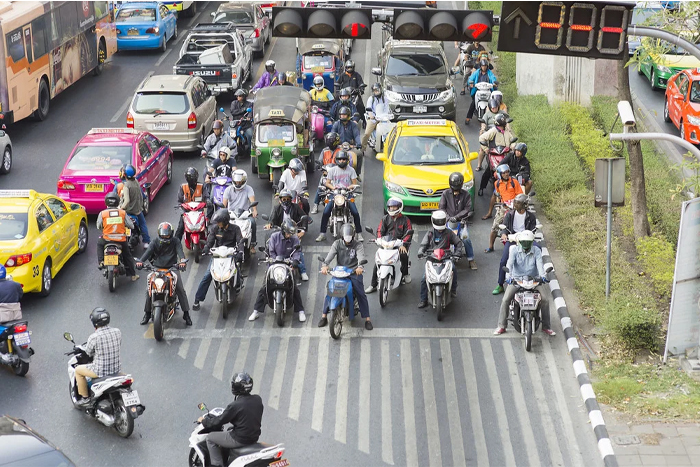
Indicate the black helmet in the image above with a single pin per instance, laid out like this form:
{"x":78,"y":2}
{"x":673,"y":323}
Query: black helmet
{"x":130,"y":171}
{"x":493,"y":103}
{"x":284,"y":193}
{"x":484,"y":62}
{"x":165,"y":230}
{"x":347,"y":231}
{"x":344,"y":110}
{"x":500,"y":120}
{"x":456,"y":181}
{"x":241,"y":383}
{"x":221,"y":216}
{"x":191,"y":175}
{"x":522,"y":147}
{"x":241,"y":92}
{"x":332,"y":140}
{"x":112,"y":200}
{"x":345,"y":92}
{"x":99,"y":317}
{"x":349,"y":65}
{"x":342,"y":159}
{"x":289,"y":227}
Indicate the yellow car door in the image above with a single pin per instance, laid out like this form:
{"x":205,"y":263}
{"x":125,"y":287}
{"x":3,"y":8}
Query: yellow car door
{"x":67,"y":228}
{"x":49,"y":235}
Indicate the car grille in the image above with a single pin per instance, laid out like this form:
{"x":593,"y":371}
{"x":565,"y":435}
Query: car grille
{"x":419,"y":98}
{"x":420,"y":193}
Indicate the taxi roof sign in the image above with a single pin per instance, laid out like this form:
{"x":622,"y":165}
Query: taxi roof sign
{"x":94,"y":131}
{"x":276,"y":113}
{"x":427,"y":122}
{"x":318,"y":46}
{"x":17,"y":193}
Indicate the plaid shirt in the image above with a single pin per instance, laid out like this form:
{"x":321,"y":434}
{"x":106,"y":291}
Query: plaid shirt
{"x":104,"y":345}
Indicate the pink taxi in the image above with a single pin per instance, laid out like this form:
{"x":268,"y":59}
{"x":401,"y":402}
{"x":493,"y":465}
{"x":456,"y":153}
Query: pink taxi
{"x":96,"y":159}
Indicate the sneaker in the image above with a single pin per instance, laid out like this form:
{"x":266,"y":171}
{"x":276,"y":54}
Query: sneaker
{"x":186,"y":317}
{"x":145,"y":246}
{"x":302,"y":316}
{"x":134,"y":278}
{"x":472,"y":265}
{"x":304,"y":276}
{"x":371,"y":289}
{"x":498,"y":290}
{"x":499,"y":331}
{"x":368,"y":325}
{"x":359,"y":238}
{"x":406,"y":279}
{"x":83,"y":401}
{"x":422,"y":304}
{"x":549,"y":332}
{"x":322,"y":322}
{"x":321,"y":238}
{"x":101,"y":266}
{"x":195,"y":306}
{"x":146,"y":318}
{"x":314,"y":209}
{"x":254,"y":315}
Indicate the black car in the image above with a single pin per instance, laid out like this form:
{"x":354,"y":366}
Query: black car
{"x":20,"y":446}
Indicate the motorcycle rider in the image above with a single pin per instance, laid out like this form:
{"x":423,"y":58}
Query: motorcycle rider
{"x":348,"y":252}
{"x":282,"y":244}
{"x":396,"y":225}
{"x":374,"y":101}
{"x":113,"y":223}
{"x":191,"y":192}
{"x":326,"y":158}
{"x":353,"y":80}
{"x":519,"y":166}
{"x":282,"y":79}
{"x":239,"y":109}
{"x":288,"y":210}
{"x":439,"y":237}
{"x":224,"y":160}
{"x":457,"y":204}
{"x":525,"y":260}
{"x":268,"y":78}
{"x":319,"y":92}
{"x":294,"y":179}
{"x":10,"y":294}
{"x":506,"y":188}
{"x":104,"y":346}
{"x":470,"y":51}
{"x":218,"y":139}
{"x":516,"y":220}
{"x":222,"y":232}
{"x":344,"y":101}
{"x":482,"y":75}
{"x":340,"y":176}
{"x":245,"y":416}
{"x":132,"y":202}
{"x":490,"y":116}
{"x":349,"y":132}
{"x":166,"y":251}
{"x":499,"y":135}
{"x":240,"y":195}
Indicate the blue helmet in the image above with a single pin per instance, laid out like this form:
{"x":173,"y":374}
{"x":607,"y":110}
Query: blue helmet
{"x":130,"y":171}
{"x":3,"y":272}
{"x":501,"y":169}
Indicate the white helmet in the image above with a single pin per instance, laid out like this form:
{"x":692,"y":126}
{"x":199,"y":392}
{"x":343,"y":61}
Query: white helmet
{"x":318,"y":82}
{"x":439,"y":220}
{"x":240,"y":178}
{"x":270,"y":66}
{"x":227,"y":151}
{"x":394,"y":201}
{"x":526,"y":238}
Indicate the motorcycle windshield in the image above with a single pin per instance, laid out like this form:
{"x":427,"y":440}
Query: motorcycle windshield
{"x":338,"y":288}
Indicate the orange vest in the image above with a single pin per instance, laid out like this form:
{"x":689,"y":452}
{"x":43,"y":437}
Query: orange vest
{"x":114,"y":225}
{"x":329,"y":156}
{"x":190,"y":197}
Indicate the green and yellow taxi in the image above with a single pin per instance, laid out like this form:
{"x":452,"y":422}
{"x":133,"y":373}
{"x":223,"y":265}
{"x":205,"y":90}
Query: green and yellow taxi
{"x":39,"y":233}
{"x":420,"y":156}
{"x":661,"y":60}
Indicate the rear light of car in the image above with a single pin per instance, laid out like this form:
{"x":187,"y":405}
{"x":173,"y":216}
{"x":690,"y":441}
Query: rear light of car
{"x":18,"y":260}
{"x":64,"y":185}
{"x":234,"y":75}
{"x":129,"y":120}
{"x":20,"y":327}
{"x":255,"y":34}
{"x":152,"y":30}
{"x":192,"y":121}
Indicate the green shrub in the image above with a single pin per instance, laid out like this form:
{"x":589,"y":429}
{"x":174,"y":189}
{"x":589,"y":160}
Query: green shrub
{"x":634,"y":325}
{"x":587,"y":140}
{"x":658,"y":260}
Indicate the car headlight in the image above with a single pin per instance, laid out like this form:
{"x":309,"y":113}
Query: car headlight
{"x":392,"y":96}
{"x":663,"y":69}
{"x":394,"y":188}
{"x":468,"y":185}
{"x":694,"y":120}
{"x":279,"y":274}
{"x":446,"y":95}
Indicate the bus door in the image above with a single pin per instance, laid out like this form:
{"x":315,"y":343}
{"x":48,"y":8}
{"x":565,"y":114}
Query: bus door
{"x":20,"y":57}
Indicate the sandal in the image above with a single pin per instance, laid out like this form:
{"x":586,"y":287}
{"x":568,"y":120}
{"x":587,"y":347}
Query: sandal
{"x":489,"y":250}
{"x":462,"y":92}
{"x":486,"y":217}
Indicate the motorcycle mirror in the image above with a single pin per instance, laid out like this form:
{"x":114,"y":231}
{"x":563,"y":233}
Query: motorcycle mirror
{"x":221,"y":109}
{"x":265,"y":216}
{"x":309,"y":221}
{"x":549,"y":269}
{"x":369,"y":230}
{"x":502,"y":226}
{"x":261,"y":248}
{"x":364,"y":261}
{"x":514,"y":140}
{"x":202,"y":406}
{"x":253,"y":204}
{"x":147,"y":185}
{"x":505,"y":269}
{"x":200,"y":147}
{"x":296,"y":247}
{"x":481,"y":120}
{"x":249,"y":109}
{"x":68,"y":336}
{"x":531,"y":194}
{"x":320,"y":259}
{"x":509,"y":120}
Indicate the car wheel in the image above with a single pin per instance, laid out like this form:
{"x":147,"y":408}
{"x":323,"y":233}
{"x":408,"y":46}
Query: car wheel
{"x":46,"y":279}
{"x":82,"y":238}
{"x":681,"y":129}
{"x":42,"y":111}
{"x":639,"y":69}
{"x":6,"y":161}
{"x":652,"y":79}
{"x":261,"y":54}
{"x":169,"y":172}
{"x":164,"y":45}
{"x":175,"y":32}
{"x":667,"y":116}
{"x":101,"y":58}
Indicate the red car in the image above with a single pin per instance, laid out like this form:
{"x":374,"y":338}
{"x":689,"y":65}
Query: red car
{"x":96,"y":159}
{"x":682,"y":104}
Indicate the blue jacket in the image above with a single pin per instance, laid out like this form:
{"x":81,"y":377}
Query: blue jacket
{"x":278,"y":246}
{"x":336,"y":108}
{"x":475,"y":76}
{"x":349,"y":133}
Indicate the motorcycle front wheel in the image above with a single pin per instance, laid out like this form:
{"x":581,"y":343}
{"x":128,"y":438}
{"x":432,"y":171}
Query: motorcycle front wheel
{"x":528,"y":332}
{"x":123,"y":422}
{"x":158,"y":323}
{"x":197,"y":252}
{"x":384,"y":291}
{"x":279,"y":313}
{"x":193,"y":459}
{"x":440,"y":306}
{"x":224,"y":301}
{"x":336,"y":326}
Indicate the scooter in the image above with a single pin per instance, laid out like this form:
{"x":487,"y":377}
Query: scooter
{"x":386,"y":258}
{"x":384,"y":127}
{"x":236,"y":132}
{"x":343,"y":303}
{"x":226,"y":277}
{"x":112,"y":401}
{"x":196,"y":226}
{"x":254,"y":455}
{"x":280,"y":282}
{"x":164,"y":302}
{"x":340,"y":213}
{"x":481,"y":98}
{"x":14,"y":343}
{"x":321,"y":121}
{"x":524,"y":309}
{"x":496,"y":156}
{"x":218,"y":187}
{"x":439,"y":273}
{"x":243,"y":220}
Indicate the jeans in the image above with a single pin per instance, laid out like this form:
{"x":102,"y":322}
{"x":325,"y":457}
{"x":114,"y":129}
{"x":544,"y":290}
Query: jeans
{"x":317,"y":198}
{"x":424,"y":285}
{"x":181,"y":295}
{"x":505,"y":303}
{"x":466,"y":239}
{"x":127,"y":255}
{"x":403,"y":257}
{"x":204,"y":284}
{"x":81,"y":371}
{"x":302,"y":264}
{"x":327,"y":215}
{"x":218,"y":440}
{"x":141,"y":220}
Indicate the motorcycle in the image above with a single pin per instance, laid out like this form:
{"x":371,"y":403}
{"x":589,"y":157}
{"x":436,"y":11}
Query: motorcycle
{"x":113,"y":264}
{"x":218,"y":186}
{"x":254,"y":455}
{"x":524,"y":309}
{"x":14,"y":344}
{"x":280,"y":281}
{"x":356,"y":99}
{"x":384,"y":127}
{"x":196,"y":226}
{"x":321,"y":121}
{"x":496,"y":156}
{"x":225,"y":275}
{"x":481,"y":98}
{"x":340,"y":214}
{"x":439,"y":272}
{"x":164,"y":302}
{"x":236,"y":131}
{"x":386,"y":258}
{"x":112,"y":401}
{"x":243,"y":220}
{"x":340,"y":294}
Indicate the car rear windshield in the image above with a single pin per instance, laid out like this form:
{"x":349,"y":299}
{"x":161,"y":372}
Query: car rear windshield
{"x":161,"y":103}
{"x":136,"y":15}
{"x":235,"y":17}
{"x":13,"y":225}
{"x":312,"y":61}
{"x":415,"y":65}
{"x":98,"y":158}
{"x":427,"y":150}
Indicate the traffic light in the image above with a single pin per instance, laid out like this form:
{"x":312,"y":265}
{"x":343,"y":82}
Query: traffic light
{"x":442,"y":25}
{"x":329,"y":23}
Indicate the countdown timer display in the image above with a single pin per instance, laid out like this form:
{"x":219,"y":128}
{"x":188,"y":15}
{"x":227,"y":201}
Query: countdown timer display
{"x":579,"y":29}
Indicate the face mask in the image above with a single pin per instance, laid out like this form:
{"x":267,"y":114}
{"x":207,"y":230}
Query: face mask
{"x":342,"y":164}
{"x":286,"y":203}
{"x":344,"y":118}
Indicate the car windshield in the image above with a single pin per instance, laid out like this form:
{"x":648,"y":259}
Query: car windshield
{"x":275,"y":132}
{"x":235,"y":17}
{"x":136,"y":15}
{"x":160,"y":103}
{"x":13,"y":225}
{"x":100,"y":158}
{"x":695,"y":92}
{"x":415,"y":65}
{"x":312,"y":61}
{"x":427,"y":150}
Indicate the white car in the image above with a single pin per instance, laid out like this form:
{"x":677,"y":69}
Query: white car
{"x":6,"y":152}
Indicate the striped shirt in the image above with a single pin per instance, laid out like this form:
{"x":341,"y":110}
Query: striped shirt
{"x":104,"y":345}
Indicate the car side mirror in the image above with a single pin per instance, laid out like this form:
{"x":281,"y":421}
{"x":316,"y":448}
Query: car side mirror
{"x":74,"y":206}
{"x":376,"y":71}
{"x":382,"y":157}
{"x":68,"y":336}
{"x":164,"y":142}
{"x":147,"y":185}
{"x":213,"y":14}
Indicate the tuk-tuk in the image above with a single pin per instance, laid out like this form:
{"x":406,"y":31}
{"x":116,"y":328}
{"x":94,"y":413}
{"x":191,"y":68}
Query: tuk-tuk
{"x":323,"y":57}
{"x":281,"y":131}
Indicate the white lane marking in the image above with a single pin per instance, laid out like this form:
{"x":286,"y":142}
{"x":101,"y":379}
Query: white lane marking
{"x":431,"y":418}
{"x":125,"y":105}
{"x":204,"y":345}
{"x":482,"y":454}
{"x":261,"y":359}
{"x":299,"y":378}
{"x":164,"y":55}
{"x":311,"y":293}
{"x":321,"y":378}
{"x":409,"y":414}
{"x":196,"y":17}
{"x":220,"y":362}
{"x":456,"y":437}
{"x":241,"y":356}
{"x":387,"y":432}
{"x":276,"y":388}
{"x":504,"y":429}
{"x":341,"y":403}
{"x":521,"y":405}
{"x":184,"y":347}
{"x":365,"y":399}
{"x":185,"y":344}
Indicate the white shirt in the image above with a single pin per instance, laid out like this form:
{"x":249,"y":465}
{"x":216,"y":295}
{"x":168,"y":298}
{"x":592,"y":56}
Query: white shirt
{"x":294,"y":183}
{"x":519,"y":221}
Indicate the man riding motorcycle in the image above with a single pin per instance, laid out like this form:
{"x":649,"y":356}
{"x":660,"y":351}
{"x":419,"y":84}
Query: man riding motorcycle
{"x":10,"y":294}
{"x":499,"y":135}
{"x":349,"y":132}
{"x":342,"y":175}
{"x":506,"y":188}
{"x":286,"y":209}
{"x":166,"y":251}
{"x":190,"y":192}
{"x":240,"y":195}
{"x":113,"y":223}
{"x":470,"y":51}
{"x":396,"y":225}
{"x":218,"y":139}
{"x":132,"y":202}
{"x":268,"y":78}
{"x":245,"y":416}
{"x":224,"y":160}
{"x":104,"y":346}
{"x":353,"y":80}
{"x":457,"y":204}
{"x":239,"y":108}
{"x":519,"y":166}
{"x":375,"y":100}
{"x":319,"y":92}
{"x":525,"y":260}
{"x":294,"y":179}
{"x":345,"y":101}
{"x":483,"y":74}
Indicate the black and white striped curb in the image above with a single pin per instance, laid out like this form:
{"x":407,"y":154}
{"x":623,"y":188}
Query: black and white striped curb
{"x":587,"y":394}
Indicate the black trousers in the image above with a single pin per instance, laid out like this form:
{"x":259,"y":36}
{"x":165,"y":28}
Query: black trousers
{"x":181,"y":295}
{"x":486,"y":177}
{"x":127,"y":256}
{"x":404,"y":269}
{"x":472,"y":107}
{"x":261,"y":301}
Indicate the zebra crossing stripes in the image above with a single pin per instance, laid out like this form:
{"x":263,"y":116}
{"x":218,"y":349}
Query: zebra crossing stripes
{"x":411,"y":441}
{"x":456,"y":439}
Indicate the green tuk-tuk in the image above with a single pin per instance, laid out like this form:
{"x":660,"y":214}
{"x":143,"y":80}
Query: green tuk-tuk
{"x":281,"y":131}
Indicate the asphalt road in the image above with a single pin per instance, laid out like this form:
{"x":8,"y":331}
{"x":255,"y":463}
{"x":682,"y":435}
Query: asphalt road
{"x":414,"y":391}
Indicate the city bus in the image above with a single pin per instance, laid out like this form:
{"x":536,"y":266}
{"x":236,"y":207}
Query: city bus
{"x":46,"y":47}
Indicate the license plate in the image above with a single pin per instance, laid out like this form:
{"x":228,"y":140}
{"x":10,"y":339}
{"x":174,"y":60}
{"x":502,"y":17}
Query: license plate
{"x":318,"y":69}
{"x":131,"y":398}
{"x":280,"y":463}
{"x":22,"y":338}
{"x":94,"y":187}
{"x":419,"y":109}
{"x":133,"y":32}
{"x":161,"y":126}
{"x":428,"y":205}
{"x":111,"y":260}
{"x":275,"y":142}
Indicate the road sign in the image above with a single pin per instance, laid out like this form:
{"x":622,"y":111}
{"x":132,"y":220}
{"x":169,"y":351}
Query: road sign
{"x":590,"y":29}
{"x":442,"y":25}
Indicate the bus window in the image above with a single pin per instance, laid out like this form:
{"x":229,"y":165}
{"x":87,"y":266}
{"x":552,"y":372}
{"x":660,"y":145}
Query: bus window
{"x":15,"y":45}
{"x":69,"y":20}
{"x":101,"y":9}
{"x":28,"y":42}
{"x":40,"y":37}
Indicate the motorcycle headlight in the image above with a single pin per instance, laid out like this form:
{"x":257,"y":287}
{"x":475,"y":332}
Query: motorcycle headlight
{"x":694,"y":120}
{"x":446,"y":95}
{"x":392,"y":96}
{"x":394,"y":188}
{"x":279,"y":274}
{"x":663,"y":69}
{"x":339,"y":200}
{"x":159,"y":284}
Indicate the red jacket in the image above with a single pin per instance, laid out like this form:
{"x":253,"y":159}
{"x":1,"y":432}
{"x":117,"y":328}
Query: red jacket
{"x":397,"y":227}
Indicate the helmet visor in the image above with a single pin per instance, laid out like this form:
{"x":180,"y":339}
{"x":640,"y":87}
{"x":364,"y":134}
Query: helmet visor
{"x":526,"y":244}
{"x":439,"y":222}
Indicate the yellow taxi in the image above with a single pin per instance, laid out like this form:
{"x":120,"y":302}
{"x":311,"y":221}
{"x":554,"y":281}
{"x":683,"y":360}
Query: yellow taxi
{"x":39,"y":233}
{"x":420,"y":156}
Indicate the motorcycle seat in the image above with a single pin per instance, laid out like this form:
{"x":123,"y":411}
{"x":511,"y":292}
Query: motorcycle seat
{"x":9,"y":324}
{"x":98,"y":380}
{"x":250,"y":449}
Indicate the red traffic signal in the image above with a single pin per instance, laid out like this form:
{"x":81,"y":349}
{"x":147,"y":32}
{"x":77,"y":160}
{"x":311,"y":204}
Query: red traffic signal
{"x":443,"y":25}
{"x":329,"y":23}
